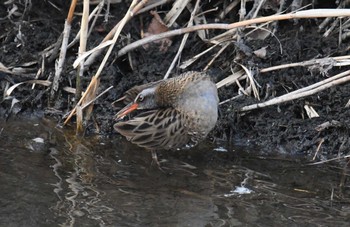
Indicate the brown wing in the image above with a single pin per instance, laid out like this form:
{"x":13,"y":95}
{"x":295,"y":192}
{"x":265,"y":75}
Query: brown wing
{"x":156,"y":129}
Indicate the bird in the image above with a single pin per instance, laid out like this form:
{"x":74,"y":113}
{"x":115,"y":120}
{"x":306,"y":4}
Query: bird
{"x":170,"y":114}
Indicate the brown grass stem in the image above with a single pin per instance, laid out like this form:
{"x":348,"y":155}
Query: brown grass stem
{"x":312,"y":13}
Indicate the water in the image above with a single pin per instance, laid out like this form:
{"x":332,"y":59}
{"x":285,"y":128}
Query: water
{"x":48,"y":177}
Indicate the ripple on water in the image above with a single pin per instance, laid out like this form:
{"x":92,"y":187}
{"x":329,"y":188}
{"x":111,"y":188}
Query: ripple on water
{"x":60,"y":179}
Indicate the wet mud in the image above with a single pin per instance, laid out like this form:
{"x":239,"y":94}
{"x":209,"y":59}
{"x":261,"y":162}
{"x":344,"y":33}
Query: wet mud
{"x":279,"y":129}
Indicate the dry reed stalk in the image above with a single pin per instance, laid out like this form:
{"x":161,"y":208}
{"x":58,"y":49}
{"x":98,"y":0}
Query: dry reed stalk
{"x":41,"y":71}
{"x":230,"y":99}
{"x":95,"y":12}
{"x":257,"y":6}
{"x":224,"y":46}
{"x":62,"y":56}
{"x":190,"y":61}
{"x":303,"y":92}
{"x":231,"y":79}
{"x":80,"y":71}
{"x":175,"y":11}
{"x":152,"y":6}
{"x":312,"y":13}
{"x":91,"y":90}
{"x":252,"y":82}
{"x":8,"y":91}
{"x":183,"y":41}
{"x":92,"y":54}
{"x":97,"y":97}
{"x":335,"y":61}
{"x":79,"y":120}
{"x":318,"y":148}
{"x":328,"y":20}
{"x":126,"y":49}
{"x":227,"y":9}
{"x":329,"y":160}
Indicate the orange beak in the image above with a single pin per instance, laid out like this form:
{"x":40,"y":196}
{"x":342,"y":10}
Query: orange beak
{"x":126,"y":110}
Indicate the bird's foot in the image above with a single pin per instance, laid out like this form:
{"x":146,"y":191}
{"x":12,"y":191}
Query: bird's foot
{"x":155,"y":159}
{"x":156,"y":162}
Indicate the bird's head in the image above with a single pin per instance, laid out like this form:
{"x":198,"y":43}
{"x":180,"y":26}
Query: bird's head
{"x":145,"y":100}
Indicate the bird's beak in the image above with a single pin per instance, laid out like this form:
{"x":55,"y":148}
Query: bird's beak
{"x":126,"y":110}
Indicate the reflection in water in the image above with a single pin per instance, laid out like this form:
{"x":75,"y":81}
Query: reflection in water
{"x":110,"y":182}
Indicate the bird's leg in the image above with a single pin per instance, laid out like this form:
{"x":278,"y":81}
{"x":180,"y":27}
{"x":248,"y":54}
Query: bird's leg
{"x":155,"y":158}
{"x":155,"y":161}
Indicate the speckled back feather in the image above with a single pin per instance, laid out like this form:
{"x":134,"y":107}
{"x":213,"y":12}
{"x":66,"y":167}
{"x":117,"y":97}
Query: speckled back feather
{"x":156,"y":129}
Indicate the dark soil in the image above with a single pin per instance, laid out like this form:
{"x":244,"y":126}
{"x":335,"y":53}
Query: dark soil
{"x":282,"y":129}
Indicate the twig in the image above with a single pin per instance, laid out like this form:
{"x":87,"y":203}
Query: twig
{"x":97,"y":97}
{"x":228,"y":8}
{"x":336,"y":61}
{"x":231,"y":78}
{"x":190,"y":61}
{"x":216,"y":55}
{"x":82,"y":47}
{"x":183,"y":41}
{"x":41,"y":71}
{"x":327,"y":20}
{"x":41,"y":82}
{"x":62,"y":56}
{"x":329,"y":160}
{"x":312,"y":13}
{"x":303,"y":92}
{"x":318,"y":148}
{"x":231,"y":99}
{"x":256,"y":8}
{"x":251,"y":81}
{"x":91,"y":89}
{"x":97,"y":50}
{"x":174,"y":13}
{"x":264,"y":29}
{"x":80,"y":71}
{"x":153,"y":5}
{"x":95,"y":14}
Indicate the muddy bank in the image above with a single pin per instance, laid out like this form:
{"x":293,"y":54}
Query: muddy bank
{"x":283,"y":129}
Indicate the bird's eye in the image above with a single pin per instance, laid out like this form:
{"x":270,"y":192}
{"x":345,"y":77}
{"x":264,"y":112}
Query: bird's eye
{"x":140,"y":99}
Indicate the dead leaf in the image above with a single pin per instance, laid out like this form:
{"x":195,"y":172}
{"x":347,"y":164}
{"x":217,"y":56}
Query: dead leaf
{"x":176,"y":10}
{"x":259,"y":34}
{"x":261,"y":53}
{"x":310,"y":111}
{"x":157,"y":26}
{"x":13,"y":87}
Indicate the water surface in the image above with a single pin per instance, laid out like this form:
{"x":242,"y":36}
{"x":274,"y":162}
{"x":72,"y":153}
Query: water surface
{"x":49,"y":177}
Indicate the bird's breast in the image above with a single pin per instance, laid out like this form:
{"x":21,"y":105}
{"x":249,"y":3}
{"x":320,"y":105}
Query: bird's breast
{"x":200,"y":104}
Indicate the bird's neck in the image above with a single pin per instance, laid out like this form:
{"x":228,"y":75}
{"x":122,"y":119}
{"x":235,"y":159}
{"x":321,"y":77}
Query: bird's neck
{"x":167,"y":96}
